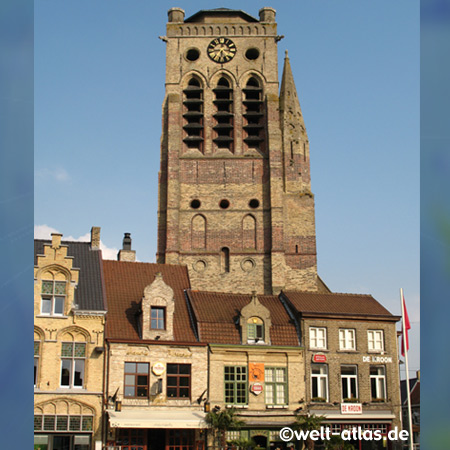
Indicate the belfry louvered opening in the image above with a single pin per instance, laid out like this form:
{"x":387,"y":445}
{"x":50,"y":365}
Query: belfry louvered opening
{"x":253,"y":114}
{"x":193,"y":115}
{"x":223,"y":116}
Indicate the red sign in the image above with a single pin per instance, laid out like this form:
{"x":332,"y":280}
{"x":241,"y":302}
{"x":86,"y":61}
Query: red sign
{"x":319,"y":358}
{"x":351,"y":408}
{"x":256,"y":388}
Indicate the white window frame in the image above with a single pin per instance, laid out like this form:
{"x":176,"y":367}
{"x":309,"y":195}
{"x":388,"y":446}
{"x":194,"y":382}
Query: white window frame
{"x":347,"y":339}
{"x":375,"y":337}
{"x":52,"y":299}
{"x":380,"y":383}
{"x":347,"y":379}
{"x":314,"y":338}
{"x":322,"y":375}
{"x":278,"y":386}
{"x":73,"y":359}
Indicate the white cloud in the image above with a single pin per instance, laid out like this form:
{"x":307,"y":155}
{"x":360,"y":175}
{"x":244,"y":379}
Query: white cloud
{"x":44,"y":232}
{"x":58,"y":174}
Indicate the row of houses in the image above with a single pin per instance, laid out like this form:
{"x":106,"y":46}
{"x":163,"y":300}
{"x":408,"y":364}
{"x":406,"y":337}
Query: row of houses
{"x":128,"y":356}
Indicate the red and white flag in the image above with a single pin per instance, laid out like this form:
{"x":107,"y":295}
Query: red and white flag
{"x":406,"y":327}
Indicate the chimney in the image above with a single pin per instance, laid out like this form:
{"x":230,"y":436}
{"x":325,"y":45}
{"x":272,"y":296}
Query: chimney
{"x":95,"y":238}
{"x":56,"y":240}
{"x":126,"y":254}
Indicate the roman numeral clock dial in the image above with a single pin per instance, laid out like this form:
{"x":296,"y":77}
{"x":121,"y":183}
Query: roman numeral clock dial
{"x":221,"y":50}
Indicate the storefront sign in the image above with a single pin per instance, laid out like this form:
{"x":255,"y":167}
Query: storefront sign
{"x":256,"y":388}
{"x":377,"y":359}
{"x":319,"y":358}
{"x":351,"y":408}
{"x":158,"y":368}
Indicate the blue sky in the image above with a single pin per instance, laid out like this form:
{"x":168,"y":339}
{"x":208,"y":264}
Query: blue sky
{"x":99,"y":87}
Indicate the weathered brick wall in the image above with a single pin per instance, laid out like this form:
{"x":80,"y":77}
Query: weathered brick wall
{"x":210,"y":174}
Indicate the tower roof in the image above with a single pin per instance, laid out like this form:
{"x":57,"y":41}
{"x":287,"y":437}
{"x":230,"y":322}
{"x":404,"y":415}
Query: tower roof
{"x":289,"y":102}
{"x":200,"y":16}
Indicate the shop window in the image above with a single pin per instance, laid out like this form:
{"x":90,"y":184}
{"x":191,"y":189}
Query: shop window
{"x":179,"y":381}
{"x":180,"y":439}
{"x":255,"y":330}
{"x":347,"y":339}
{"x":136,"y":380}
{"x":378,"y":383}
{"x":318,"y":338}
{"x":157,"y":318}
{"x":319,"y":382}
{"x":73,"y":357}
{"x":349,"y":382}
{"x":51,"y":422}
{"x":275,"y":384}
{"x":53,"y":296}
{"x":375,"y":340}
{"x":236,"y":385}
{"x":135,"y":437}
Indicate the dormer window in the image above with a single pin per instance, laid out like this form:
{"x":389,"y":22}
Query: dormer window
{"x":53,"y":295}
{"x":255,"y":330}
{"x":158,"y":318}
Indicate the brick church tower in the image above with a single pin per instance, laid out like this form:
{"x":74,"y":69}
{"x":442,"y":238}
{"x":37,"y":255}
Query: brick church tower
{"x":235,"y":201}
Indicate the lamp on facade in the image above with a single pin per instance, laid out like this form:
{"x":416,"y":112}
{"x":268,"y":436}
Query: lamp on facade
{"x":118,"y":405}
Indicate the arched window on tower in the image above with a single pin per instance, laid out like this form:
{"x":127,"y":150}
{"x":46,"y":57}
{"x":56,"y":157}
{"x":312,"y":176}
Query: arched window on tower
{"x":249,"y":232}
{"x":253,"y":115}
{"x":225,"y":260}
{"x":193,"y":115}
{"x":198,"y":232}
{"x":223,"y":116}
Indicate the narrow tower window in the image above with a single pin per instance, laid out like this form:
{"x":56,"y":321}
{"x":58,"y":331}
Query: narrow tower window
{"x":223,"y":115}
{"x":193,"y":115}
{"x":249,"y":232}
{"x":253,"y":114}
{"x":225,"y":260}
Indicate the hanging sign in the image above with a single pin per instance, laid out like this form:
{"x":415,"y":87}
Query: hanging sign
{"x":158,"y":368}
{"x":256,"y":388}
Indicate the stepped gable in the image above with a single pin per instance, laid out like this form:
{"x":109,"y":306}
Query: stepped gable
{"x":217,"y":318}
{"x":125,"y":283}
{"x":314,"y":304}
{"x":89,"y":294}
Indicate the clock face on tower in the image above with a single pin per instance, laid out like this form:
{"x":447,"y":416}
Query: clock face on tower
{"x":221,"y":50}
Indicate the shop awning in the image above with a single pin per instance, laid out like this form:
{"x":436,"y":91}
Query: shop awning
{"x":156,"y":419}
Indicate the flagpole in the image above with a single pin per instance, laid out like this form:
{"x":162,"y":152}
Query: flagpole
{"x":407,"y":370}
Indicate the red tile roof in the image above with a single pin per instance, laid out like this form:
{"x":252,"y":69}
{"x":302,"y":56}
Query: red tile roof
{"x":312,"y":303}
{"x":125,"y":283}
{"x":217,"y":316}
